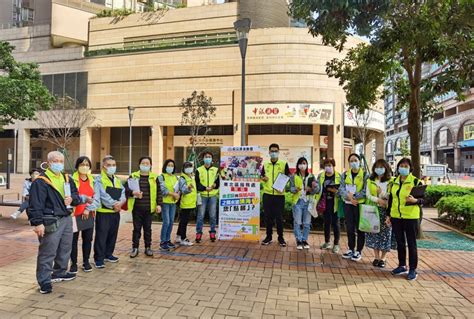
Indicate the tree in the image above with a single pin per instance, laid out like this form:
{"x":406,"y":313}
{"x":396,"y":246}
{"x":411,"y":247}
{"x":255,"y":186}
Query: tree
{"x":404,"y":36}
{"x":197,"y":113}
{"x":362,"y":120}
{"x":63,"y":123}
{"x":22,"y":92}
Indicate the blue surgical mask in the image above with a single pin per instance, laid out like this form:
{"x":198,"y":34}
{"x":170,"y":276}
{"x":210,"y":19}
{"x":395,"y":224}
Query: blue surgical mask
{"x":145,"y":168}
{"x":380,"y":171}
{"x":207,"y":161}
{"x":329,"y":169}
{"x":169,"y":169}
{"x":355,"y":165}
{"x":111,"y":170}
{"x":404,"y":171}
{"x":56,"y":167}
{"x":273,"y":155}
{"x":188,"y":170}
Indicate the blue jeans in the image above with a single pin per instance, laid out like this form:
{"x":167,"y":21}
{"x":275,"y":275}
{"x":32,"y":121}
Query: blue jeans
{"x":301,"y":216}
{"x":167,"y":214}
{"x":208,"y":203}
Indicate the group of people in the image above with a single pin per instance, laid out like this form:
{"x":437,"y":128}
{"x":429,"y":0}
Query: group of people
{"x":336,"y":195}
{"x":52,"y":196}
{"x":96,"y":203}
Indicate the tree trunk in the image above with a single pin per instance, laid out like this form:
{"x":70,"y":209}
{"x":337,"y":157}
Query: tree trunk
{"x":414,"y":128}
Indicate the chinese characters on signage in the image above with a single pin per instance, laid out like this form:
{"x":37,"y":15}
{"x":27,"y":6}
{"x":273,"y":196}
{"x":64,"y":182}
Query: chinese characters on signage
{"x":290,"y":113}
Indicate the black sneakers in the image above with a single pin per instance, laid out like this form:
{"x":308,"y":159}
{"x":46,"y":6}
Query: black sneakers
{"x":46,"y":289}
{"x":87,"y":267}
{"x":299,"y":245}
{"x":65,"y":277}
{"x":281,"y":242}
{"x":267,"y":241}
{"x":73,"y":269}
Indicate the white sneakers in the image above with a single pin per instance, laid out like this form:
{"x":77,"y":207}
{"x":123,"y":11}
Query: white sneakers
{"x":183,"y":242}
{"x":15,"y":215}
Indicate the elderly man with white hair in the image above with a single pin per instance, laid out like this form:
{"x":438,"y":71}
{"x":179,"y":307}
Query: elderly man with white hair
{"x":51,"y":197}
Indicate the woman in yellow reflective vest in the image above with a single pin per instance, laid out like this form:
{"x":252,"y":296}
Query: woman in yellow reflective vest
{"x":377,"y":192}
{"x":188,"y":204}
{"x":301,"y":188}
{"x":144,"y":199}
{"x":327,"y":185}
{"x":405,"y":212}
{"x":352,"y":190}
{"x":169,"y":189}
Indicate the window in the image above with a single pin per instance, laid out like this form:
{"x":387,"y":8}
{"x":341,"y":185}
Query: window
{"x":469,"y":132}
{"x":119,"y":145}
{"x":73,"y":85}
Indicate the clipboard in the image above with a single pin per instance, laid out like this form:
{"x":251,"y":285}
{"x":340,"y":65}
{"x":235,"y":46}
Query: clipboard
{"x":280,"y":183}
{"x":115,"y":193}
{"x":83,"y":224}
{"x":417,"y":192}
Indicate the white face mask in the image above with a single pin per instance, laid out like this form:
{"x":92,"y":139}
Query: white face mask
{"x":302,"y":166}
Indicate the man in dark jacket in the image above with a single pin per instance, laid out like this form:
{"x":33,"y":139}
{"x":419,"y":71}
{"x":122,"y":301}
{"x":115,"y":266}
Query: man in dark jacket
{"x":51,"y":195}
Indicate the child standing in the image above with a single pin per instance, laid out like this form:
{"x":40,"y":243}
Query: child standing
{"x":26,"y":193}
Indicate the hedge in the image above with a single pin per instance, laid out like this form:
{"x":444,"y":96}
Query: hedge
{"x":458,"y":211}
{"x":435,"y":192}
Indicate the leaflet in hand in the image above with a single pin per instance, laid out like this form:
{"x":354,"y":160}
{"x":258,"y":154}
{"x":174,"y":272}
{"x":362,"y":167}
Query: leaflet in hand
{"x":176,"y":187}
{"x":280,"y":182}
{"x":134,"y":184}
{"x":350,"y":189}
{"x":67,"y":192}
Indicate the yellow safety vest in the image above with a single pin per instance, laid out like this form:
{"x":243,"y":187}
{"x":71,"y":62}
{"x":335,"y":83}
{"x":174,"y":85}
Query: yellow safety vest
{"x":358,"y":182}
{"x":106,"y":182}
{"x":153,"y":190}
{"x":170,"y":181}
{"x":75,"y":178}
{"x":208,"y":177}
{"x":188,"y":201}
{"x":272,"y":171}
{"x":299,"y":184}
{"x":337,"y":181}
{"x":399,"y":194}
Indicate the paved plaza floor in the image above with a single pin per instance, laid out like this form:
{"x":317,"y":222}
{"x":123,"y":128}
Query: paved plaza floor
{"x":236,"y":279}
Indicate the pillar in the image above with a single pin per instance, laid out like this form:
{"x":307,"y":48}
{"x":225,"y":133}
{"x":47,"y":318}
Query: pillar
{"x":336,"y":136}
{"x":316,"y":148}
{"x":157,"y":147}
{"x":85,"y":142}
{"x":457,"y":159}
{"x":169,"y":151}
{"x":105,"y":142}
{"x":24,"y":151}
{"x":380,"y":145}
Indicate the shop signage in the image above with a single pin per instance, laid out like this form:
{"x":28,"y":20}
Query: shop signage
{"x":291,"y":113}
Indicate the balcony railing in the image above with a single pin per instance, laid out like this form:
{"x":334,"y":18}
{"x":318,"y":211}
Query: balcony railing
{"x":192,"y":41}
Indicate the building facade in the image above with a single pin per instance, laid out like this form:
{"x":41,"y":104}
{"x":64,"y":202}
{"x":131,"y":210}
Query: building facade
{"x":447,"y":139}
{"x":151,"y":61}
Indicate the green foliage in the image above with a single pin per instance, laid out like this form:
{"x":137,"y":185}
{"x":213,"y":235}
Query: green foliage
{"x":435,"y":192}
{"x":116,"y":13}
{"x":458,"y":211}
{"x":22,"y":92}
{"x":404,"y":149}
{"x":404,"y":35}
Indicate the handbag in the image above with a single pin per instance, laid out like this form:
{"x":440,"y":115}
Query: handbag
{"x":321,"y":207}
{"x":369,"y":220}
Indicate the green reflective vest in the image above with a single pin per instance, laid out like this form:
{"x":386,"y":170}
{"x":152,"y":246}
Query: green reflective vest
{"x":358,"y":182}
{"x":208,"y":177}
{"x":299,"y":184}
{"x":106,"y":182}
{"x":188,"y":201}
{"x":337,"y":181}
{"x":153,"y":191}
{"x":399,"y":194}
{"x":272,"y":171}
{"x":170,"y":181}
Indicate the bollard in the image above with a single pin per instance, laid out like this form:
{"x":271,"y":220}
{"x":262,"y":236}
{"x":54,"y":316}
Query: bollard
{"x":9,"y":162}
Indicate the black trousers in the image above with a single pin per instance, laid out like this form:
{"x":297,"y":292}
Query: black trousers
{"x":183,"y":221}
{"x":351,"y":214}
{"x":405,"y":231}
{"x":331,"y":219}
{"x":141,"y":219}
{"x":87,"y":235}
{"x":106,"y":231}
{"x":273,"y":207}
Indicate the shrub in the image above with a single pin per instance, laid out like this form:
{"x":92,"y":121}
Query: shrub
{"x":458,"y":211}
{"x":435,"y":192}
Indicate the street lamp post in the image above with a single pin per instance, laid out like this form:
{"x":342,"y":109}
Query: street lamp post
{"x":131,"y":109}
{"x":242,"y":28}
